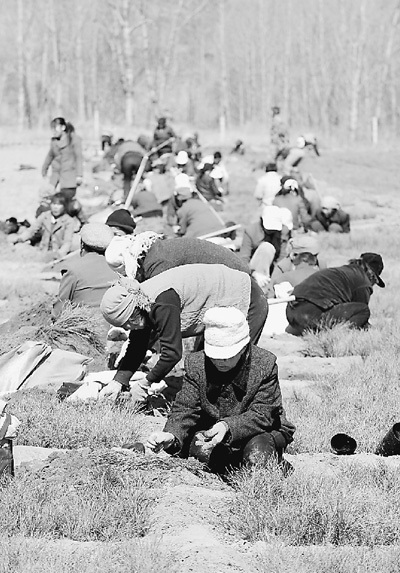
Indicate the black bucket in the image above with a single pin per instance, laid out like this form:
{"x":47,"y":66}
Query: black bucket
{"x":343,"y":445}
{"x":390,"y":445}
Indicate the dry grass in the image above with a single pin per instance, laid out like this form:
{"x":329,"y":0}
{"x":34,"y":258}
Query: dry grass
{"x":48,"y":423}
{"x":95,"y":496}
{"x":362,"y":402}
{"x":359,"y":507}
{"x":22,"y":555}
{"x":341,"y":340}
{"x":277,"y":557}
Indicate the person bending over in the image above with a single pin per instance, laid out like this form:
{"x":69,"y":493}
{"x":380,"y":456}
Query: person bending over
{"x":334,"y":295}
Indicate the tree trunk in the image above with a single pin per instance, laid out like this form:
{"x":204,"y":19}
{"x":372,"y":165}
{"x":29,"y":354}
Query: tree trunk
{"x":223,"y":103}
{"x":20,"y":65}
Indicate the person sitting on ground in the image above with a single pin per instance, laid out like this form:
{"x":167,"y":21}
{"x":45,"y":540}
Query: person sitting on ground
{"x":289,"y":198}
{"x":121,"y":222}
{"x":335,"y":295}
{"x":181,"y":181}
{"x":229,"y":411}
{"x":86,"y":279}
{"x":206,"y":185}
{"x":185,"y":164}
{"x":194,"y":218}
{"x":268,"y":186}
{"x":171,"y":306}
{"x":302,"y":243}
{"x":330,"y":217}
{"x":55,"y":227}
{"x":146,"y":206}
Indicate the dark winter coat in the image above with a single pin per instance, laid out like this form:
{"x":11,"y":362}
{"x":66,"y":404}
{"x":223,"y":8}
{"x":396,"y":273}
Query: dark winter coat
{"x":329,"y":287}
{"x":338,"y":216}
{"x":253,"y":407}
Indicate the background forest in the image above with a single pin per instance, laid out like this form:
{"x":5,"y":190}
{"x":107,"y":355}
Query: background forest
{"x":332,"y":65}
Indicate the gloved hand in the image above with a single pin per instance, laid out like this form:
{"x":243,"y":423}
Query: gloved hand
{"x":111,"y":390}
{"x":157,"y":387}
{"x":215,"y":434}
{"x":160,"y":440}
{"x":261,"y":279}
{"x":140,"y":390}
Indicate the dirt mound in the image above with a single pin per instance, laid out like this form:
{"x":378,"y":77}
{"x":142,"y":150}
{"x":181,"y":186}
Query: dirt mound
{"x":77,"y":329}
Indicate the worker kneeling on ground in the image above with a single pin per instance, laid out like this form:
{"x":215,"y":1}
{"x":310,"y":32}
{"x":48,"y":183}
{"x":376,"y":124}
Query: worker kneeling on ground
{"x":339,"y":294}
{"x":229,"y":410}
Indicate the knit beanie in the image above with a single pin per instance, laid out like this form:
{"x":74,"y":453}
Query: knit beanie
{"x":122,"y":219}
{"x":226,"y":332}
{"x":121,"y":300}
{"x":96,"y":236}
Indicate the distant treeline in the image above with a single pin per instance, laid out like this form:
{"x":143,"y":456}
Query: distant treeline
{"x":332,"y":65}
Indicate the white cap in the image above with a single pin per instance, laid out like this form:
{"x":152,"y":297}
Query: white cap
{"x":182,"y":158}
{"x":226,"y":332}
{"x":272,"y":218}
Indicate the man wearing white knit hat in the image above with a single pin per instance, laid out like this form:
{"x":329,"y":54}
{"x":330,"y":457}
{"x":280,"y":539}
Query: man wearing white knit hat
{"x":229,"y":410}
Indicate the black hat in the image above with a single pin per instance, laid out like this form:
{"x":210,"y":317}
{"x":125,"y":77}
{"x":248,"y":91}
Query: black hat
{"x":375,"y":263}
{"x":122,"y":219}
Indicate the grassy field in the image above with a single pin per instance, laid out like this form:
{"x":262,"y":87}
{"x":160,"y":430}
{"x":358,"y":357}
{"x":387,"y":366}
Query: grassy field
{"x":342,"y":523}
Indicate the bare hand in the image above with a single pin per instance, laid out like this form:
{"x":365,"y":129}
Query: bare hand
{"x":216,"y":433}
{"x":111,"y":390}
{"x":160,"y":440}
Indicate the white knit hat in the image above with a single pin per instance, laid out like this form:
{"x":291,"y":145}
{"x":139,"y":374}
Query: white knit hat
{"x":226,"y":332}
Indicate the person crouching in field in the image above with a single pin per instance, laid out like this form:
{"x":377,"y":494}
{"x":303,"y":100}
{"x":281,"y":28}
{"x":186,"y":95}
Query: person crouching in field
{"x":55,"y":227}
{"x":334,"y":295}
{"x":170,"y":307}
{"x":86,"y":279}
{"x":229,"y":410}
{"x":330,"y":217}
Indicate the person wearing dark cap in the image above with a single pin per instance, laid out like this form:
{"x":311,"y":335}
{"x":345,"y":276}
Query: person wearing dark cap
{"x":121,"y":222}
{"x":86,"y":279}
{"x":194,"y":217}
{"x":334,"y":295}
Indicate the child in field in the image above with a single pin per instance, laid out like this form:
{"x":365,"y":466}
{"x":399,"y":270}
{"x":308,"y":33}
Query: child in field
{"x":55,"y":227}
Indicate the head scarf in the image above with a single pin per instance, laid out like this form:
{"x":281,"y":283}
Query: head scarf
{"x":123,"y":253}
{"x":121,"y":300}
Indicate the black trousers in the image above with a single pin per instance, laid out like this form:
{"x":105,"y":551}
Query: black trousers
{"x":130,"y":164}
{"x":303,"y":315}
{"x":222,"y":458}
